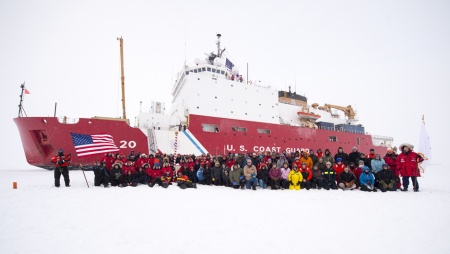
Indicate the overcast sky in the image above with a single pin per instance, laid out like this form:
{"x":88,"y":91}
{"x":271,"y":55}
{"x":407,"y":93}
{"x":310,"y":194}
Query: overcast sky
{"x":389,"y":59}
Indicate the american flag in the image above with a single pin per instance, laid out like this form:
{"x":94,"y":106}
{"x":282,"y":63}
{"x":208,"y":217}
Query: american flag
{"x":229,"y":64}
{"x":86,"y":144}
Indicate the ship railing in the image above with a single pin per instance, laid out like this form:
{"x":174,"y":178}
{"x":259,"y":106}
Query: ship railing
{"x":386,"y":138}
{"x":65,"y":119}
{"x":339,"y":130}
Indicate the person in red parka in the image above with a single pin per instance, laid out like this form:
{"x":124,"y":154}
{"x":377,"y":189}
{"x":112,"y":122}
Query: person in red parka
{"x":391,"y":159}
{"x":156,"y":175}
{"x":108,"y":160}
{"x":128,"y":167}
{"x":143,"y":159}
{"x":339,"y":167}
{"x":167,"y":173}
{"x":408,"y":165}
{"x":307,"y":175}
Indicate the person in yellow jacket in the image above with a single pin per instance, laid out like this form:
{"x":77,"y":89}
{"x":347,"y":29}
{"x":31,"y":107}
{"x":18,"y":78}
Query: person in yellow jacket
{"x":295,"y":178}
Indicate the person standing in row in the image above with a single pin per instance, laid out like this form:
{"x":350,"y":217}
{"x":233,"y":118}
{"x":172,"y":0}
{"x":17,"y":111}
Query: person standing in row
{"x":408,"y":165}
{"x":62,"y":162}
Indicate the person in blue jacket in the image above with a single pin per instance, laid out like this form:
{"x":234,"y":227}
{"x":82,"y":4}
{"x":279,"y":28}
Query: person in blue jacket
{"x":367,"y":180}
{"x":200,"y":177}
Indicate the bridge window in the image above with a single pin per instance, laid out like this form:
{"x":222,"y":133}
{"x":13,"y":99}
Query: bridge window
{"x":263,"y":131}
{"x":208,"y":68}
{"x":240,"y":129}
{"x":333,"y":139}
{"x":210,"y":127}
{"x":358,"y":141}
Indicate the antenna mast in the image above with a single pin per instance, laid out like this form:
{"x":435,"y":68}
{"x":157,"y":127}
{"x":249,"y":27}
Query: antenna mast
{"x":124,"y":116}
{"x":21,"y":109}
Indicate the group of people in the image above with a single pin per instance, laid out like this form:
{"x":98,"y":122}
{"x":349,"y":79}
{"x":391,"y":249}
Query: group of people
{"x":299,"y":170}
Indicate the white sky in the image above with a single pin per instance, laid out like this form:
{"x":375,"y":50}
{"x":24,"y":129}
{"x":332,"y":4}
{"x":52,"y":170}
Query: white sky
{"x":389,"y":59}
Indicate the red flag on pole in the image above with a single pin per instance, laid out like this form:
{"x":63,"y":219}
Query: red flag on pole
{"x":26,"y":91}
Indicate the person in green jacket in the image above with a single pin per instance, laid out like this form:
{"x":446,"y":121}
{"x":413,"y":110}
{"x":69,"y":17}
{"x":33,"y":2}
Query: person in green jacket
{"x":237,"y":176}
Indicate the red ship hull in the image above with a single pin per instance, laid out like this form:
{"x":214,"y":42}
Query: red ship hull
{"x":281,"y":137}
{"x":43,"y":136}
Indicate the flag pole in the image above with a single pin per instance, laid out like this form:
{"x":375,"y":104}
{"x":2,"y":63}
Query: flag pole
{"x":81,"y":167}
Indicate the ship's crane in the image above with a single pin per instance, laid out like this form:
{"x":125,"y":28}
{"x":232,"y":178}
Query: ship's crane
{"x":348,"y":111}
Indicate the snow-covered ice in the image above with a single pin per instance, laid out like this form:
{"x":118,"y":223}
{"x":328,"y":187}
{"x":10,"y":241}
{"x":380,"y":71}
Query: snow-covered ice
{"x":39,"y":218}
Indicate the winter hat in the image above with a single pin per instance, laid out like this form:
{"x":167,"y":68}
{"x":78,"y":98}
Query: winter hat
{"x":354,"y":148}
{"x":338,"y":160}
{"x":303,"y":163}
{"x":407,"y":145}
{"x":361,"y":162}
{"x":296,"y":158}
{"x":156,"y":165}
{"x":263,"y":165}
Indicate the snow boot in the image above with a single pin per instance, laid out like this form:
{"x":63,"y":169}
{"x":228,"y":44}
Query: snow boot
{"x":404,"y":189}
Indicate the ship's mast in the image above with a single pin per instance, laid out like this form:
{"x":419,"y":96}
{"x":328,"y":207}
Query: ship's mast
{"x":122,"y":77}
{"x":219,"y":51}
{"x":21,"y":109}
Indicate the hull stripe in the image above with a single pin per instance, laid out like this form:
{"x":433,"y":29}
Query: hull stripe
{"x":194,"y":142}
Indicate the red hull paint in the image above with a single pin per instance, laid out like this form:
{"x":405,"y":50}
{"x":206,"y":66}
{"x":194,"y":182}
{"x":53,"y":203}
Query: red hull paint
{"x":281,"y":137}
{"x":42,"y":139}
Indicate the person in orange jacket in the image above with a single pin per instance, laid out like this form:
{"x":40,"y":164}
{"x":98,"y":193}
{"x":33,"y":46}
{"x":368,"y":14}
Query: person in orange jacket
{"x":62,"y":162}
{"x":306,"y":159}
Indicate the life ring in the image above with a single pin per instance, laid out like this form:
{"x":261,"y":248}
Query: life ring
{"x":250,"y":82}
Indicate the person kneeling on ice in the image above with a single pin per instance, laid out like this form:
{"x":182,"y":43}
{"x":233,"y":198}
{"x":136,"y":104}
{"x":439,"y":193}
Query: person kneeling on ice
{"x":116,"y":175}
{"x":367,"y":180}
{"x":250,"y":175}
{"x":347,"y":179}
{"x":275,"y":176}
{"x":316,"y":181}
{"x":141,"y":177}
{"x":307,"y":176}
{"x":101,"y":175}
{"x":387,"y":179}
{"x":200,"y":177}
{"x":295,"y":178}
{"x":263,"y":176}
{"x":235,"y":175}
{"x":183,"y":182}
{"x":128,"y":179}
{"x":329,"y":177}
{"x":167,"y":173}
{"x":156,"y":174}
{"x":284,"y":176}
